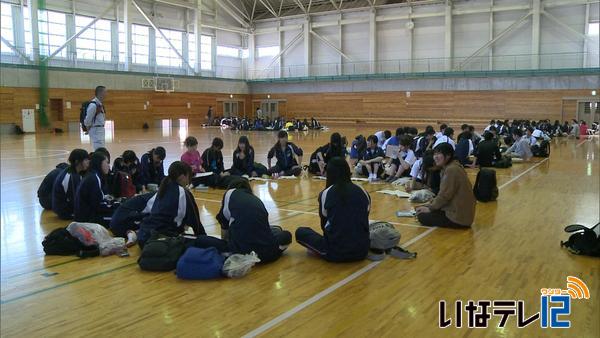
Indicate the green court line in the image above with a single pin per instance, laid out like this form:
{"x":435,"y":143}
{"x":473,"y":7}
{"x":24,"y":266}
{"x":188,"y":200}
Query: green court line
{"x":6,"y":301}
{"x":40,"y":269}
{"x":33,"y":293}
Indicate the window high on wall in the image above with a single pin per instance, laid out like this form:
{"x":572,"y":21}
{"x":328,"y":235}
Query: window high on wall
{"x":6,"y":30}
{"x":206,"y":46}
{"x":95,"y":42}
{"x":267,"y":51}
{"x":140,"y":44}
{"x":28,"y":34}
{"x":165,"y":55}
{"x":53,"y":32}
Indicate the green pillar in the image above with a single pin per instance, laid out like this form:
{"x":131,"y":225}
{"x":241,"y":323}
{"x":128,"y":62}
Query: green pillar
{"x":43,"y":87}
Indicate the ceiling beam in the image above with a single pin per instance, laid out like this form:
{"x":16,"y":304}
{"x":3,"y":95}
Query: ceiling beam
{"x":231,"y":13}
{"x":269,"y":7}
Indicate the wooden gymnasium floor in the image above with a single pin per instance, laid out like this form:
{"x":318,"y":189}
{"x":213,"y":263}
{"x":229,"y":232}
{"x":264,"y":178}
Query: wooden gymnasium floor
{"x":511,"y":252}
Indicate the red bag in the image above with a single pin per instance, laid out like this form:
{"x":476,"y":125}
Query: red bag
{"x":123,"y":185}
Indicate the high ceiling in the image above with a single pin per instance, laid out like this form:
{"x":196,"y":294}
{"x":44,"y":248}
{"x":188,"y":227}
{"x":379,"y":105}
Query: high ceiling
{"x":247,"y":11}
{"x":281,"y":8}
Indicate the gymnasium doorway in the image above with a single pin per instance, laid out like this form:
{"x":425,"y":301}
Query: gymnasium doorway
{"x":230,"y":108}
{"x":588,"y":111}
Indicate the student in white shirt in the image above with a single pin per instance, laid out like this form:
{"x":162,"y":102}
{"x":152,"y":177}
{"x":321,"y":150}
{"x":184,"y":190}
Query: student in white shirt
{"x":446,"y":138}
{"x":532,"y":139}
{"x":440,"y":133}
{"x":402,"y":164}
{"x":382,"y":136}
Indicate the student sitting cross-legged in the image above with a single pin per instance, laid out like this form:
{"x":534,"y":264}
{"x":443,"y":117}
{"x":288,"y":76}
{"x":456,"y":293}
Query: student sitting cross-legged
{"x":174,"y":207}
{"x":487,"y":152}
{"x":344,"y":212}
{"x":371,"y":164}
{"x":245,"y":226}
{"x":321,"y":156}
{"x":128,"y":216}
{"x":402,"y":163}
{"x":424,"y":174}
{"x":243,"y":160}
{"x":288,"y":155}
{"x":520,"y":148}
{"x":44,"y":192}
{"x":152,"y":170}
{"x":66,"y":184}
{"x":91,"y":203}
{"x":454,"y":205}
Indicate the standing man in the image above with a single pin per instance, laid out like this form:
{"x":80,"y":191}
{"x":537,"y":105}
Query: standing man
{"x":259,"y":114}
{"x":95,"y":117}
{"x":209,"y":115}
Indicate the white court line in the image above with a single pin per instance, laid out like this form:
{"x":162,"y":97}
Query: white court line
{"x":582,"y":143}
{"x":275,"y":321}
{"x":523,"y":173}
{"x":316,"y":213}
{"x":23,"y":179}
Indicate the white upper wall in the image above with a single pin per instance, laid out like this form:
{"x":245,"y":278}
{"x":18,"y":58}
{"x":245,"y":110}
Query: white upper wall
{"x":426,"y":41}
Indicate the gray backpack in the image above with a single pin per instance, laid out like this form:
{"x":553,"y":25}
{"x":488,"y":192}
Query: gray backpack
{"x":384,"y":240}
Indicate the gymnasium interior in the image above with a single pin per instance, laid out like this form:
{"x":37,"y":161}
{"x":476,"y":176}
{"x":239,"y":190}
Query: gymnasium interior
{"x":179,"y":68}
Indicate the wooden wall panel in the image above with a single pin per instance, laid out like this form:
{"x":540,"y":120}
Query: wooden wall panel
{"x":126,"y":108}
{"x":440,"y":105}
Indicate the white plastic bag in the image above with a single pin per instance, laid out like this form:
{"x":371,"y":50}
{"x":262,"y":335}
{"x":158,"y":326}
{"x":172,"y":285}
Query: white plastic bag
{"x":238,"y":265}
{"x":95,"y":234}
{"x":421,"y":196}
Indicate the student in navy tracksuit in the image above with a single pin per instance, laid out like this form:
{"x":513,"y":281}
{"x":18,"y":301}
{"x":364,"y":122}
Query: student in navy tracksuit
{"x":288,"y":155}
{"x":372,"y":160}
{"x":129,"y":215}
{"x":91,"y":204}
{"x":152,"y":170}
{"x":174,"y":207}
{"x":344,"y":210}
{"x":44,"y":192}
{"x":321,"y":156}
{"x":66,"y":184}
{"x":245,"y":226}
{"x":243,"y":160}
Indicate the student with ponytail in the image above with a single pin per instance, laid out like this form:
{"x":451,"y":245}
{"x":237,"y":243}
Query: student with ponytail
{"x":322,"y":156}
{"x":174,"y":207}
{"x":245,"y":226}
{"x":91,"y":202}
{"x":344,"y":211}
{"x":66,"y":184}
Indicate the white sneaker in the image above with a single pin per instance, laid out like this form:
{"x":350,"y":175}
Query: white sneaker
{"x":131,"y":238}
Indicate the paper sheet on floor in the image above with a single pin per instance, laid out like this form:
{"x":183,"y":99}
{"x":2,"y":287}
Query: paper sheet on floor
{"x":406,"y":213}
{"x":399,"y":193}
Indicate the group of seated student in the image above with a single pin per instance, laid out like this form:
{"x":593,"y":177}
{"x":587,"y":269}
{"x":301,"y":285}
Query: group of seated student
{"x":82,"y":189}
{"x":268,"y":124}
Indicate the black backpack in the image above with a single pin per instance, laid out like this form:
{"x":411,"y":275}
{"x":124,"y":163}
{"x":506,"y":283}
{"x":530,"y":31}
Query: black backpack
{"x":161,"y":253}
{"x":504,"y":162}
{"x":83,"y":114}
{"x":583,"y":241}
{"x":543,"y":150}
{"x":485,"y":189}
{"x":61,"y":243}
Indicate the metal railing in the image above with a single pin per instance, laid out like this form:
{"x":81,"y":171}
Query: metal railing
{"x":554,"y":61}
{"x":99,"y":61}
{"x":500,"y":63}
